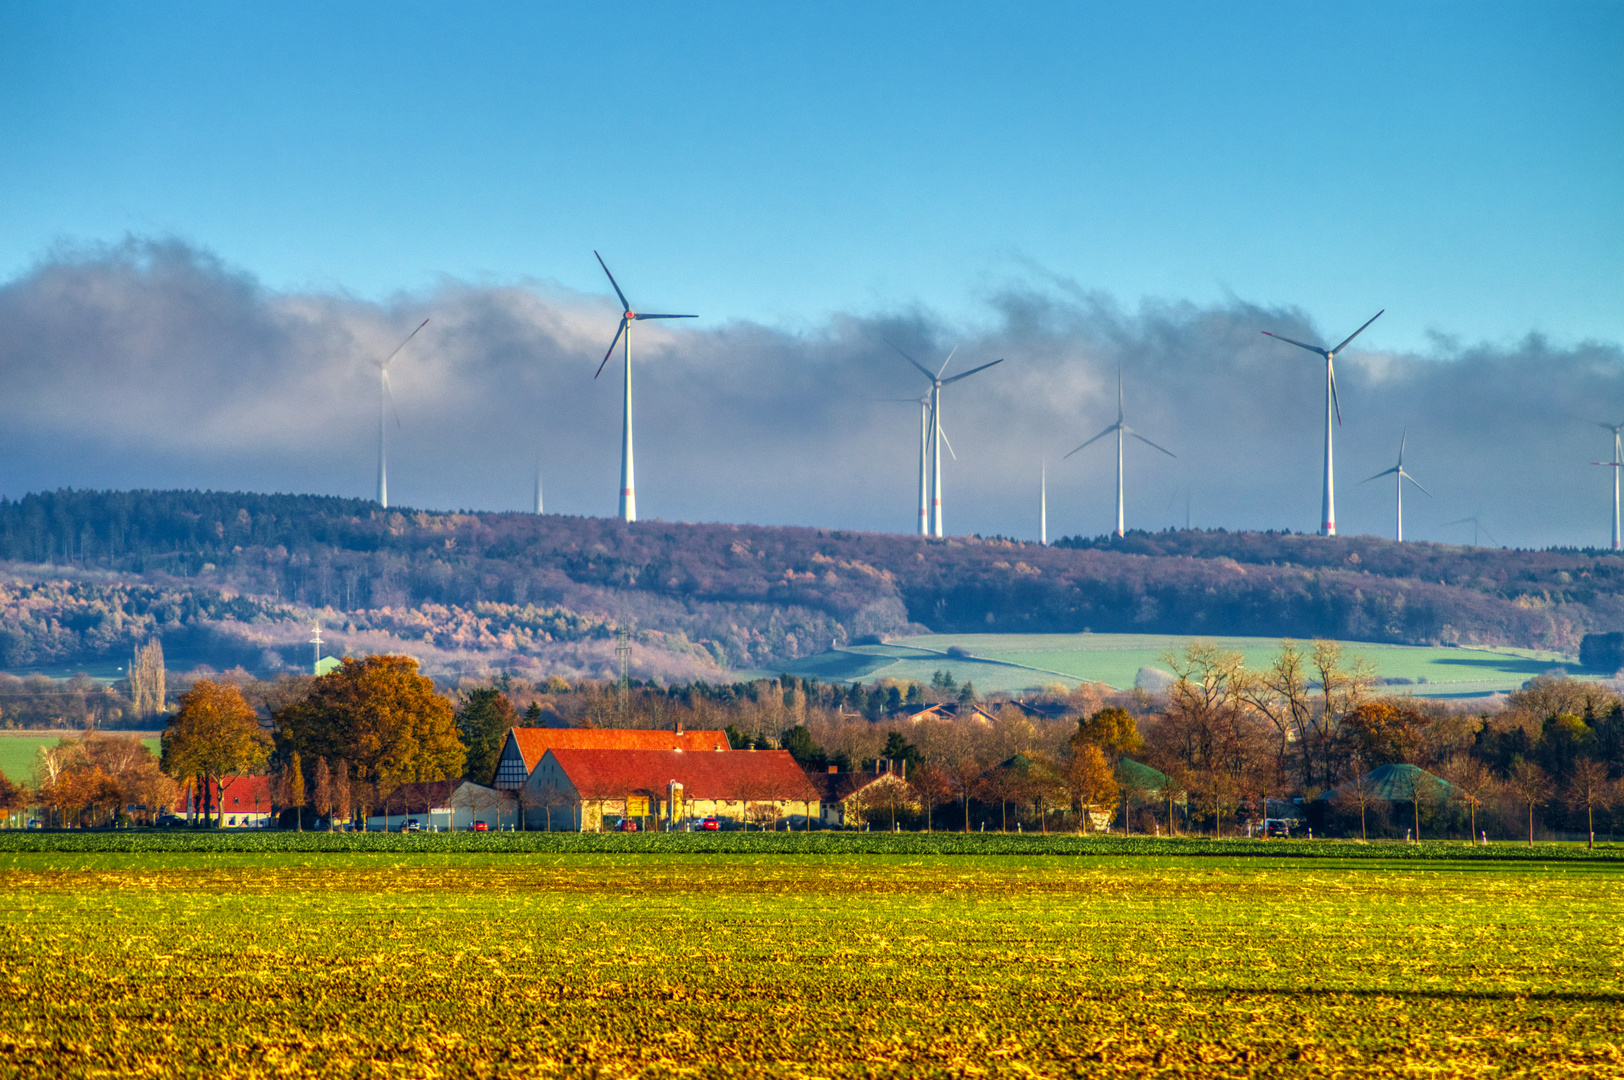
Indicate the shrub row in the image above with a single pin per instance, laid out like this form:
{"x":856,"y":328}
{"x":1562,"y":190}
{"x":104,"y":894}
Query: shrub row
{"x":744,"y":843}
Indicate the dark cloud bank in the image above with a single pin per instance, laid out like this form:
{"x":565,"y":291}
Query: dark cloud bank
{"x":153,"y":365}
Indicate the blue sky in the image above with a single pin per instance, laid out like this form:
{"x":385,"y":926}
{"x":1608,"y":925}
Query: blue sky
{"x":214,"y":218}
{"x":1460,"y":164}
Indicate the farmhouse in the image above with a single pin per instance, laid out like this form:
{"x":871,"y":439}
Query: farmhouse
{"x":857,"y":798}
{"x":588,"y":789}
{"x":526,"y":746}
{"x":445,"y":804}
{"x":241,"y":802}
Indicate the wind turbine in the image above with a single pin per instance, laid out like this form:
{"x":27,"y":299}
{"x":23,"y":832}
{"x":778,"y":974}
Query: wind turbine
{"x":1328,"y":497}
{"x":628,"y":490}
{"x":1616,"y":464}
{"x":1399,"y":476}
{"x":1473,"y":522}
{"x":1121,"y":429}
{"x":936,"y":438}
{"x":538,"y":489}
{"x":385,"y":395}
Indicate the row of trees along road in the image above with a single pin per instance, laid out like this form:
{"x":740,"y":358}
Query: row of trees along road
{"x":376,"y":719}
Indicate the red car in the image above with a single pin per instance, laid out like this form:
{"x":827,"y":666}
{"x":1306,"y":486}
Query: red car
{"x":710,"y":824}
{"x":626,"y":825}
{"x":479,"y":826}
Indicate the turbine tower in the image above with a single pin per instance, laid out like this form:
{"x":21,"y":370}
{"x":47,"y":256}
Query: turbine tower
{"x":935,"y":437}
{"x":1043,"y":505}
{"x":1473,"y":522}
{"x":1121,"y":429}
{"x":1399,"y":476}
{"x":538,"y":489}
{"x":1616,"y":464}
{"x":628,"y":490}
{"x":1332,"y":405}
{"x":387,"y":397}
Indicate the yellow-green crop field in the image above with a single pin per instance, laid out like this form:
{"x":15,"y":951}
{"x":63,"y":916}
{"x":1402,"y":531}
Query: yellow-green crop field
{"x":374,"y":965}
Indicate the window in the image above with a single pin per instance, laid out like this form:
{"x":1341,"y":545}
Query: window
{"x":510,"y":771}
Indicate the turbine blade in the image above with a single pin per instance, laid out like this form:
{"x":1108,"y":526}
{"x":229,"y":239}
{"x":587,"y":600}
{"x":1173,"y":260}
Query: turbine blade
{"x":948,"y":361}
{"x":1414,"y":481}
{"x":1299,"y":344}
{"x":1147,"y":442}
{"x":1359,"y":331}
{"x":625,"y":305}
{"x":618,"y":331}
{"x":1378,"y":476}
{"x":1404,"y":438}
{"x":949,"y":444}
{"x":389,"y":396}
{"x":1486,"y":532}
{"x":640,"y":315}
{"x":923,"y":370}
{"x":971,"y":372}
{"x":1096,"y":439}
{"x":384,"y":363}
{"x":1462,"y":521}
{"x":1330,"y":367}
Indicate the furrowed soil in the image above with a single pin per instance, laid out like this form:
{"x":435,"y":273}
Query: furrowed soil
{"x":620,"y":965}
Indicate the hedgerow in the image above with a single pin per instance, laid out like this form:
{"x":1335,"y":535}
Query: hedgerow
{"x":780,"y":843}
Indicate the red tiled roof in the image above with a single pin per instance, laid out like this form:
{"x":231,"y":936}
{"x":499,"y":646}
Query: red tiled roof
{"x":534,"y":742}
{"x":243,"y":795}
{"x":742,"y":774}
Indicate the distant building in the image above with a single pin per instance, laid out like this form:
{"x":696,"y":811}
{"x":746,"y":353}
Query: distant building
{"x":445,"y":804}
{"x":589,"y":790}
{"x":240,"y":802}
{"x":525,"y":746}
{"x":950,"y":710}
{"x":853,"y":799}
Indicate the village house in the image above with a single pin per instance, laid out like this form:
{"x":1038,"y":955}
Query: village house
{"x":239,"y":802}
{"x":855,"y":799}
{"x":951,"y":710}
{"x":525,"y":746}
{"x":445,"y":804}
{"x":589,"y":790}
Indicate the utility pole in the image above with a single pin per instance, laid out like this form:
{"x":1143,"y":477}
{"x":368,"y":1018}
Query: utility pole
{"x":623,"y":653}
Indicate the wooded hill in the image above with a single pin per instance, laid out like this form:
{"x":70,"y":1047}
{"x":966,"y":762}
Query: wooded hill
{"x":93,"y":572}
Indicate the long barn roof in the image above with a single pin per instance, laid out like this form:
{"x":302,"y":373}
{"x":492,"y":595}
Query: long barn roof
{"x":534,"y":742}
{"x":767,"y":775}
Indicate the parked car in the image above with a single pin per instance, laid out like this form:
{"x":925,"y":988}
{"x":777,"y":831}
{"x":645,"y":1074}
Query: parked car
{"x":626,"y":825}
{"x":1276,"y":827}
{"x":711,"y":824}
{"x":479,"y":826}
{"x":413,"y":826}
{"x":166,"y":821}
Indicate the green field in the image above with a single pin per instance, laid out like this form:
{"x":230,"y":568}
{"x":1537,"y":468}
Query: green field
{"x":1024,"y":661}
{"x":18,"y":750}
{"x":858,"y":966}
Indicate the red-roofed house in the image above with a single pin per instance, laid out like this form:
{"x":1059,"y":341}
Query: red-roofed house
{"x":587,"y":789}
{"x":526,"y":746}
{"x":240,"y":802}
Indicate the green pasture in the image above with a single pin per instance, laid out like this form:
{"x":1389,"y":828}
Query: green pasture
{"x":18,"y":750}
{"x":653,"y":965}
{"x":1012,"y":662}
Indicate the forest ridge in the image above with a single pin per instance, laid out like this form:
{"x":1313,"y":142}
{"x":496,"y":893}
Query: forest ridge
{"x":238,"y":577}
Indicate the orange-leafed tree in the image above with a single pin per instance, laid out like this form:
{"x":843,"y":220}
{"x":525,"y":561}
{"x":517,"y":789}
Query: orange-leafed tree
{"x":383,"y":717}
{"x":214,"y":734}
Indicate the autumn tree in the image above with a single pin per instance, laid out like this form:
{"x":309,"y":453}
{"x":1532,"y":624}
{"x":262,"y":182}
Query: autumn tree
{"x":1090,"y":782}
{"x":1589,"y":789}
{"x":13,"y":797}
{"x":1112,"y":729}
{"x":341,"y":793}
{"x":295,"y":793}
{"x":213,"y":734}
{"x":382,"y":717}
{"x":1385,"y":732}
{"x":1529,"y":786}
{"x":323,"y":792}
{"x":483,"y":723}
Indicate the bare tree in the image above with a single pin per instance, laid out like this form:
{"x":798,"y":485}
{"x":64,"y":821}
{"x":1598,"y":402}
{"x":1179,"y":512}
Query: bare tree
{"x":1590,"y":790}
{"x":1529,"y":786}
{"x":323,"y":794}
{"x":1358,"y":794}
{"x":1418,"y":788}
{"x":1470,"y":782}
